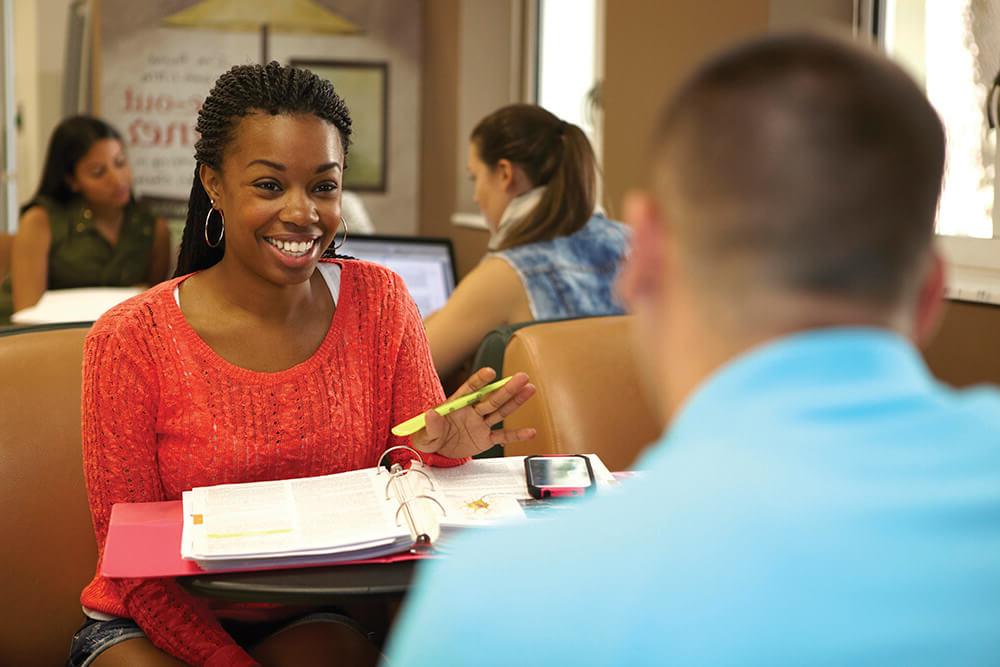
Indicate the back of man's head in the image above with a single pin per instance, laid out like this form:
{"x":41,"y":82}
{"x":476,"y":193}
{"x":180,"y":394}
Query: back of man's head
{"x":801,"y":165}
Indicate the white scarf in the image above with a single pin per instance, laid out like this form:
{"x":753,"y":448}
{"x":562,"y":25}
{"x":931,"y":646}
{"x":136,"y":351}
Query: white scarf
{"x":517,"y":209}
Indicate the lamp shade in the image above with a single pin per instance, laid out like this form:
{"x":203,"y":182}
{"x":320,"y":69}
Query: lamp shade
{"x":250,"y":15}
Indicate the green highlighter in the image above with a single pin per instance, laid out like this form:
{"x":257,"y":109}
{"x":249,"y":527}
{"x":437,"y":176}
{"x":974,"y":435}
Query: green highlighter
{"x":411,"y":426}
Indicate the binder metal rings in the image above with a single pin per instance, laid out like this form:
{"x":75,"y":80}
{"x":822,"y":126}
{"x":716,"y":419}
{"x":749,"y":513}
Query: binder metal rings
{"x":400,"y":471}
{"x":422,"y":496}
{"x":396,"y":472}
{"x":416,"y":454}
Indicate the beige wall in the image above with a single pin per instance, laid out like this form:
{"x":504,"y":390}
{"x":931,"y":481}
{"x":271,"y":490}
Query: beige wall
{"x":26,"y":98}
{"x":439,"y":168}
{"x":649,"y":48}
{"x":39,"y":50}
{"x":789,"y":14}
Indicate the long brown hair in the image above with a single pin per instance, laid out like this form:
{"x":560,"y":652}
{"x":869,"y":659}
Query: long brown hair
{"x":552,"y":153}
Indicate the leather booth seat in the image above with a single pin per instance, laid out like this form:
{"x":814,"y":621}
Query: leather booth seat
{"x":49,"y":552}
{"x":589,"y":398}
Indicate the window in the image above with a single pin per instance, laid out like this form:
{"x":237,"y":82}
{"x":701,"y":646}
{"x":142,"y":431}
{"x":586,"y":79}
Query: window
{"x":952,"y":47}
{"x":567,"y":61}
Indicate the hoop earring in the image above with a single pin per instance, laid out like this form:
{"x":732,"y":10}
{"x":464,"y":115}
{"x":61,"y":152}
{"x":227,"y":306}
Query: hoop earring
{"x":343,"y":240}
{"x":222,"y":230}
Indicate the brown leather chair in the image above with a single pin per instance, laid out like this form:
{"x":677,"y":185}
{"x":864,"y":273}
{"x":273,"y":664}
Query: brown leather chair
{"x":49,"y":552}
{"x":589,"y":399}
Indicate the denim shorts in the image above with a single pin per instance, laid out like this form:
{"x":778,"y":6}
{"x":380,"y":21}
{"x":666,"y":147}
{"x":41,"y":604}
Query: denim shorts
{"x":94,"y":637}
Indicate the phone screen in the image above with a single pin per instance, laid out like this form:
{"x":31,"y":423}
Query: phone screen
{"x":559,"y":471}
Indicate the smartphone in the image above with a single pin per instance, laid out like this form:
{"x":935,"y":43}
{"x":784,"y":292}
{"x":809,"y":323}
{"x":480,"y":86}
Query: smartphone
{"x":411,"y":426}
{"x":559,"y":476}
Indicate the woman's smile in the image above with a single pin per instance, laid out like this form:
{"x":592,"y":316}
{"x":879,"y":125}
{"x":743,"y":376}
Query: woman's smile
{"x":293,"y":248}
{"x":294,"y":251}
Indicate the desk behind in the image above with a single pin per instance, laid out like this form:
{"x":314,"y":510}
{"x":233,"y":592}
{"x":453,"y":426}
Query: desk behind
{"x":74,"y":305}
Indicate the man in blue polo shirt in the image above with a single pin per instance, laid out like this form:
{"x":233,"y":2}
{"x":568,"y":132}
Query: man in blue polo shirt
{"x":817,"y":498}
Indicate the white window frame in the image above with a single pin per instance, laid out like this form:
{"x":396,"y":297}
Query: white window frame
{"x":973,"y":268}
{"x":973,"y":264}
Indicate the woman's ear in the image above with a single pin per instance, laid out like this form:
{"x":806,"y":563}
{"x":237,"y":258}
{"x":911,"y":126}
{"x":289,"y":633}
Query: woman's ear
{"x":512,"y":178}
{"x":211,"y":180}
{"x":72,"y":183}
{"x":505,"y":173}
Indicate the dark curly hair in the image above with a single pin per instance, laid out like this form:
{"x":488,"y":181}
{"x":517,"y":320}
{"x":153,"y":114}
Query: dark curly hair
{"x":243,"y":90}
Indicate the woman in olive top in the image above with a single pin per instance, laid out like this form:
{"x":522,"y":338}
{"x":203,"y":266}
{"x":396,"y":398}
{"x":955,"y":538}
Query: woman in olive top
{"x":83,"y":227}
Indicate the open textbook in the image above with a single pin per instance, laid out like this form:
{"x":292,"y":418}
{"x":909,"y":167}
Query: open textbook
{"x":352,"y":515}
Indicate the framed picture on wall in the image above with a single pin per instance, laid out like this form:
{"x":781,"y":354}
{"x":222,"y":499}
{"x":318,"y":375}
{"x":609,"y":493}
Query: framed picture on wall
{"x":364,"y":87}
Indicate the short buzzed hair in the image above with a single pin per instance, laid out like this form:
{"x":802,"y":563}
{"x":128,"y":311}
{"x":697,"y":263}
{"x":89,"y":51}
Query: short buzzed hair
{"x":802,"y":163}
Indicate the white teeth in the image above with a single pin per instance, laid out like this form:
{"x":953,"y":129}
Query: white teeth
{"x":292,"y":247}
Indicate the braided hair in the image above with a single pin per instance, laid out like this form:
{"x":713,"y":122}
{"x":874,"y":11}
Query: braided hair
{"x":242,"y":91}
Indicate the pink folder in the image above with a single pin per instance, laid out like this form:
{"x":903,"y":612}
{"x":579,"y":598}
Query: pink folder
{"x":144,"y":540}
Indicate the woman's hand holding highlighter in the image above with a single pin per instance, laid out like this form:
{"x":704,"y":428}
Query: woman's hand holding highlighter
{"x":462,"y":426}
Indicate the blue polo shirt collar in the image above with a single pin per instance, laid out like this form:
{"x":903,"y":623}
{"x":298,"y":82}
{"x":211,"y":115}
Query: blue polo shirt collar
{"x":770,"y":376}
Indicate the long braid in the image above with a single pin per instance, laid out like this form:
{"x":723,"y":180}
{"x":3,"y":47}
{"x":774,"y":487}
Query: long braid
{"x":241,"y":91}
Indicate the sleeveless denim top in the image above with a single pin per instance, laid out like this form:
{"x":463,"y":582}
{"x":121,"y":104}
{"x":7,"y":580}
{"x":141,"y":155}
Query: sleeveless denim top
{"x":572,"y":276}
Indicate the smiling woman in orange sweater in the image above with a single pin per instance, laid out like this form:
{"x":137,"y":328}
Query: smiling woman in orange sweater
{"x":262,"y":359}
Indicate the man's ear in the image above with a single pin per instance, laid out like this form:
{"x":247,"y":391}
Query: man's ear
{"x":211,"y":180}
{"x":930,"y":301}
{"x":644,"y":271}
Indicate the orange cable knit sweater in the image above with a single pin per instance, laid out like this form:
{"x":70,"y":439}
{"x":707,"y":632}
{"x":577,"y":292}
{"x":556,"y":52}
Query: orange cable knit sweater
{"x":163,"y":413}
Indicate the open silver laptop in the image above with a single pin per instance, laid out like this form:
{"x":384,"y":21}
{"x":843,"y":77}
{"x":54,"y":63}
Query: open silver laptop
{"x":426,"y":265}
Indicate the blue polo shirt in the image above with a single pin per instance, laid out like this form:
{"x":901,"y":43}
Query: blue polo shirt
{"x":819,"y":500}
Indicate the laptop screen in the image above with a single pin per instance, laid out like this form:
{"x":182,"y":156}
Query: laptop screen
{"x":426,"y":265}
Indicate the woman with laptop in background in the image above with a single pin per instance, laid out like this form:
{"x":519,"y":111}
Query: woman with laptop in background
{"x":552,"y":255}
{"x":83,"y":227}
